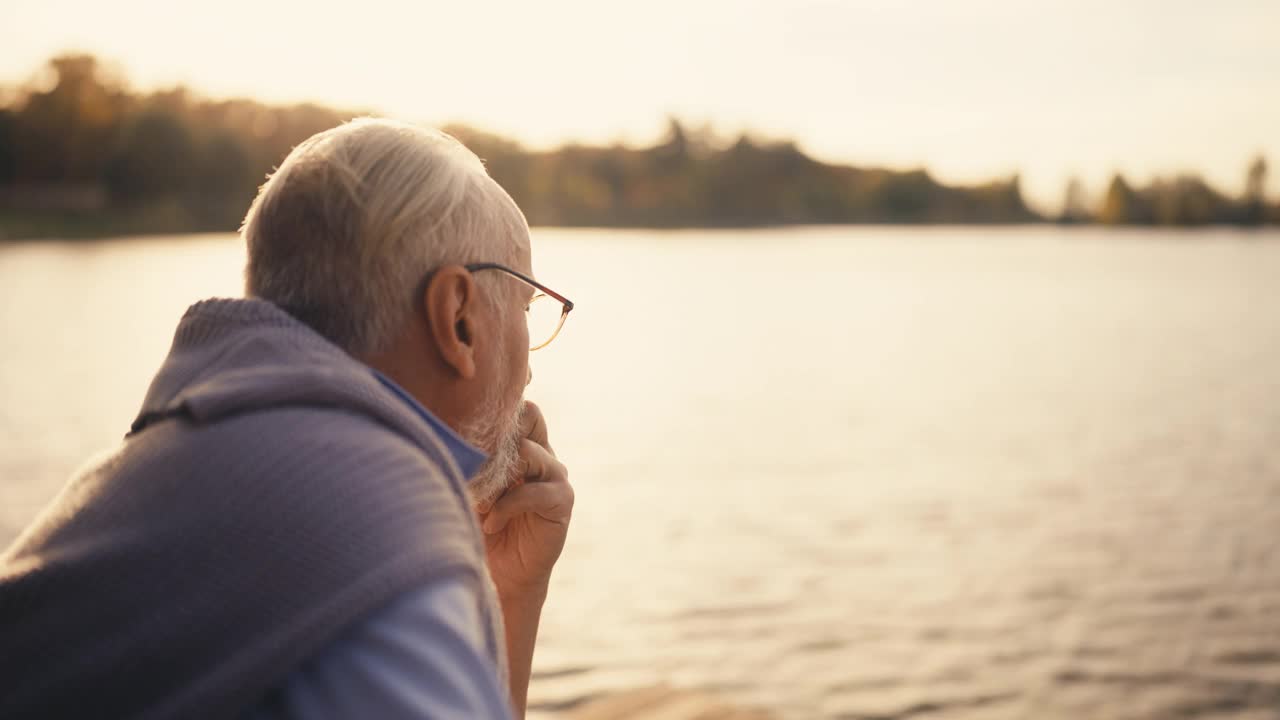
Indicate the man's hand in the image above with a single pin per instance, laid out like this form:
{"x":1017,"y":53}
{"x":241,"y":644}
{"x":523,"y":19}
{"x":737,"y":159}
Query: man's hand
{"x":525,"y":528}
{"x":524,"y":533}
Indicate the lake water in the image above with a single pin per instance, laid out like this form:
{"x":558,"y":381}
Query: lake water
{"x":839,"y":472}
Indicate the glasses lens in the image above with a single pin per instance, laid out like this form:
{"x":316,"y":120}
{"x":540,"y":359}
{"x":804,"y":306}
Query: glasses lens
{"x":544,"y":315}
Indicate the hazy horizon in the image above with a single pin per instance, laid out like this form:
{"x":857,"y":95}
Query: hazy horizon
{"x":971,"y":92}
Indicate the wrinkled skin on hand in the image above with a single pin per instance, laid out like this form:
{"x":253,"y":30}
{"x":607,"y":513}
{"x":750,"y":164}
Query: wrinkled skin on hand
{"x":525,"y":527}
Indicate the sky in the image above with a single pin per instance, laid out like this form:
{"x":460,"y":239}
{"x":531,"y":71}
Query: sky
{"x":970,"y":89}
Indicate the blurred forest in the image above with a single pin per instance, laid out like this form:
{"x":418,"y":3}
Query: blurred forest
{"x":81,"y":154}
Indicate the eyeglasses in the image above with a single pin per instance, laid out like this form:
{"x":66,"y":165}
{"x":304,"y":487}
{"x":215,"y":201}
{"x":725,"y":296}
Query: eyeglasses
{"x":546,"y":311}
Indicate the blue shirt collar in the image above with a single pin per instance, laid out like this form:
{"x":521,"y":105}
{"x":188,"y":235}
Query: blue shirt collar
{"x":468,"y":458}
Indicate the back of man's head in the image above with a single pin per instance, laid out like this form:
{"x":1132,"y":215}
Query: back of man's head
{"x":344,"y":231}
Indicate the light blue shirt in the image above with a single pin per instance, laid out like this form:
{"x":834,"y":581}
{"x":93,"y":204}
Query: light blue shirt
{"x":421,"y":656}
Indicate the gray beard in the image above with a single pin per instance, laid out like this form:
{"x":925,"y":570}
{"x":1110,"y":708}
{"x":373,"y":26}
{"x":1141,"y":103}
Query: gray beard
{"x":500,"y":436}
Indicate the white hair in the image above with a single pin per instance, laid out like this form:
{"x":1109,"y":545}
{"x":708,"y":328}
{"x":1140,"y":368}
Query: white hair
{"x":343,"y":233}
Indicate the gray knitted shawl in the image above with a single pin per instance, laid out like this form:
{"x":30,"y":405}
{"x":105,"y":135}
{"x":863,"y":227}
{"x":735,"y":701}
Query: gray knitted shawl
{"x":272,"y":492}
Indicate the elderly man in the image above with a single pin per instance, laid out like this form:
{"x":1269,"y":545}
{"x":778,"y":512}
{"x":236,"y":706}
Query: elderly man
{"x":334,"y":502}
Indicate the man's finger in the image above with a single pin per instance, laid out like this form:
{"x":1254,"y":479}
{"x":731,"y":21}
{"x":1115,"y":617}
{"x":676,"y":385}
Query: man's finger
{"x":537,"y":464}
{"x":533,"y":425}
{"x":552,"y":502}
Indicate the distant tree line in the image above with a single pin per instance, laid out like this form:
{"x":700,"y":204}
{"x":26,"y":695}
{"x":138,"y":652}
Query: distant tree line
{"x":1185,"y":200}
{"x":77,"y":141}
{"x":77,"y":144}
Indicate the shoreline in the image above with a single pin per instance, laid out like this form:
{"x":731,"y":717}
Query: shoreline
{"x":41,"y":227}
{"x":657,"y":701}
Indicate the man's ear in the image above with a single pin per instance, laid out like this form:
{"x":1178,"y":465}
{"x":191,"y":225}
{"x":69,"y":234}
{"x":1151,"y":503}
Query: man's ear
{"x":450,"y":302}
